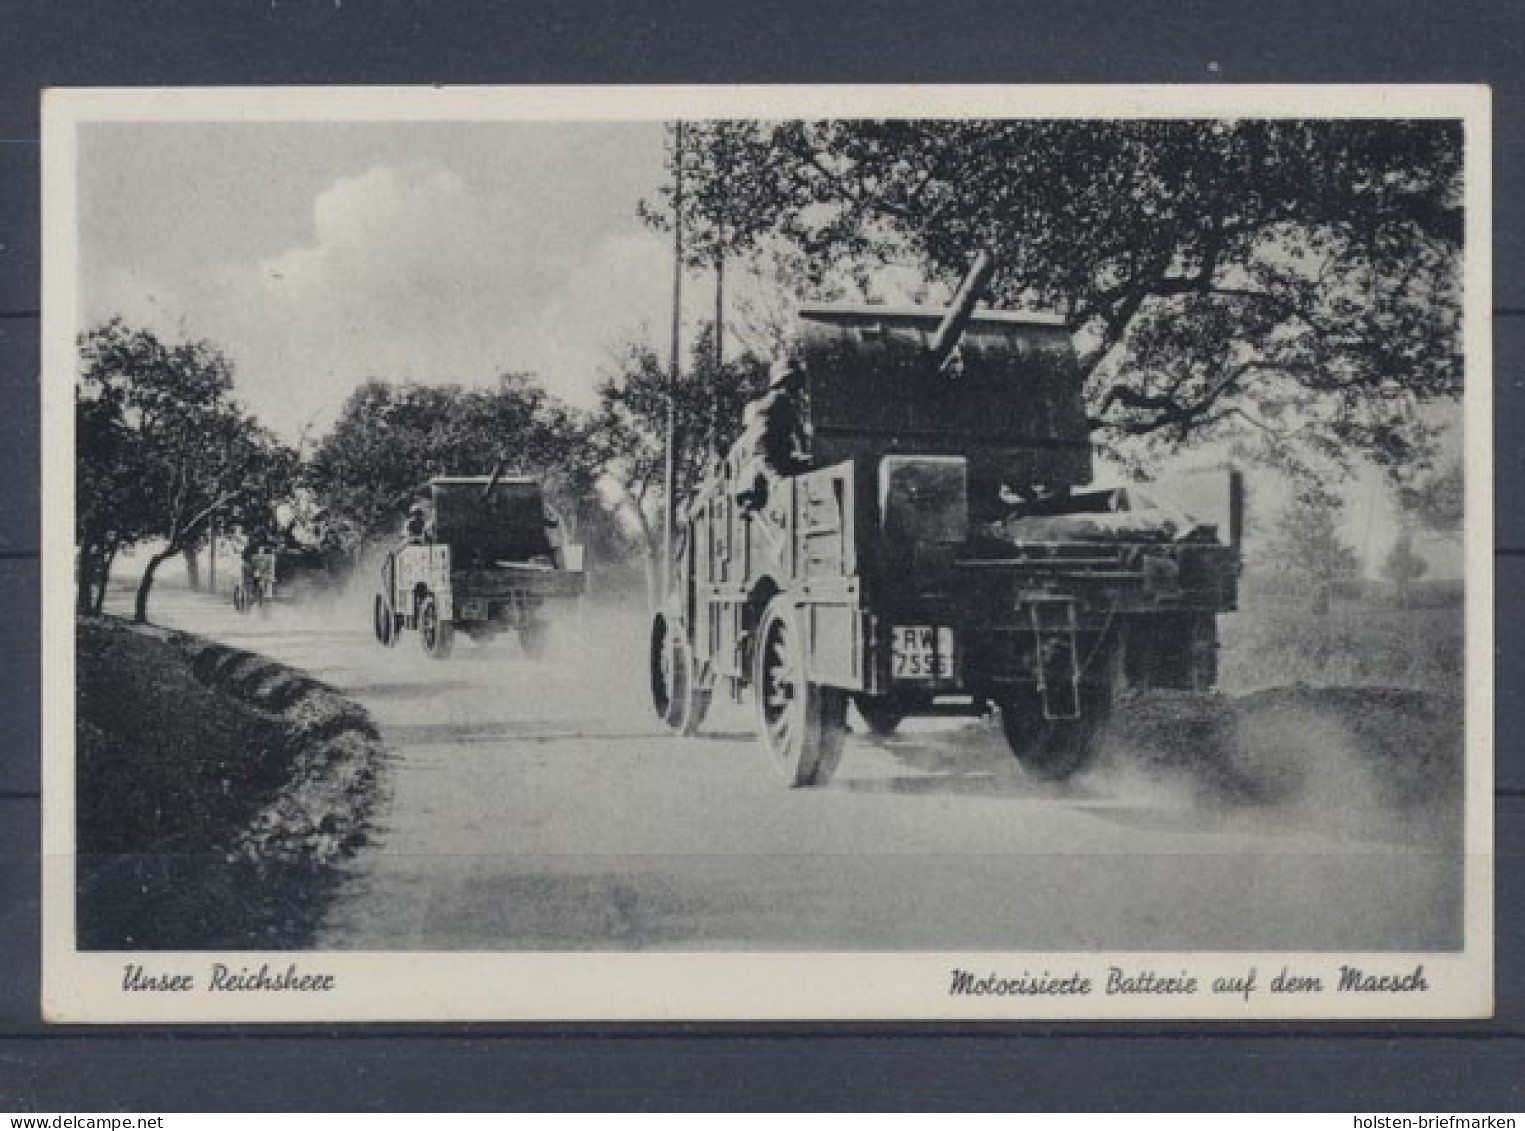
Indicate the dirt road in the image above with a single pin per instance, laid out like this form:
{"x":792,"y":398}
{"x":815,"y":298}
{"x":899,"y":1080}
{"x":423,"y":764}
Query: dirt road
{"x":539,"y":806}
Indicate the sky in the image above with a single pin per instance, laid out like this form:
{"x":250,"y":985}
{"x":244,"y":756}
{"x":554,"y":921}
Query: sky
{"x":316,"y":255}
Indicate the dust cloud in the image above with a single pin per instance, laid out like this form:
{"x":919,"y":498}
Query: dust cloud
{"x":1366,"y":764}
{"x":1369,"y":764}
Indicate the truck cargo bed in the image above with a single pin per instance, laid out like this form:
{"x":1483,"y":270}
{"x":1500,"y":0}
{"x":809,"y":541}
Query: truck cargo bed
{"x":521,"y":577}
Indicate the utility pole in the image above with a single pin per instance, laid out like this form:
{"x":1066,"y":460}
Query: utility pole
{"x":714,"y":405}
{"x":670,"y":466}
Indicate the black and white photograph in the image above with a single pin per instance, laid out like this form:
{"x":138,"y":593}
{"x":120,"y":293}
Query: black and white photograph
{"x":767,"y":553}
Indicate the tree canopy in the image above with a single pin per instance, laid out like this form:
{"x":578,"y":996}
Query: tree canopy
{"x":1282,"y":280}
{"x":390,"y":440}
{"x":628,"y":430}
{"x":1306,"y":544}
{"x":1437,"y":503}
{"x":163,"y":450}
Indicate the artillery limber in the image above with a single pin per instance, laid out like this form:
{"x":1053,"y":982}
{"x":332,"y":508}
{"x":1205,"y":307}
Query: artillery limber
{"x":486,"y":558}
{"x":939,"y":556}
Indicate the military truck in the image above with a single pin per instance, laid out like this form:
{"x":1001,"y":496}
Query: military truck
{"x":940,"y":555}
{"x":489,"y":559}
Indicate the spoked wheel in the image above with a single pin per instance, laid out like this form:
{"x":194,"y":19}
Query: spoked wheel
{"x":882,"y":713}
{"x":384,"y":621}
{"x":1056,"y":749}
{"x":801,"y":723}
{"x":436,"y":635}
{"x":677,"y":694}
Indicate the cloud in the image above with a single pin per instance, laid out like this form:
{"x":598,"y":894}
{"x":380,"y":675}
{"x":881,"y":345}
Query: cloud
{"x":411,"y":272}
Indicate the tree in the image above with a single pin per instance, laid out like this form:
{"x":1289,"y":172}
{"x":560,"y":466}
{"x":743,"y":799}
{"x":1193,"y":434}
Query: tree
{"x":1438,"y":503}
{"x":1281,"y":279}
{"x":163,"y":449}
{"x":628,"y":431}
{"x":390,"y":440}
{"x":1403,"y":566}
{"x":1306,"y":544}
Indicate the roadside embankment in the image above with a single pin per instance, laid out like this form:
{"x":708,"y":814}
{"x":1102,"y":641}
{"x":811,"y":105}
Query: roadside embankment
{"x":215,"y":792}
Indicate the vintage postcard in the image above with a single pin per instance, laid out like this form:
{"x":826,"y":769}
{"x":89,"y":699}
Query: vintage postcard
{"x":767,"y":553}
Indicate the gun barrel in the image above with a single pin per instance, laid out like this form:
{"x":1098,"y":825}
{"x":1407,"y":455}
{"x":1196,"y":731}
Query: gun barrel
{"x":492,"y":480}
{"x":962,"y":308}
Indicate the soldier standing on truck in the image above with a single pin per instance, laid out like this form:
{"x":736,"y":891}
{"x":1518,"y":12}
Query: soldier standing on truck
{"x":419,"y":527}
{"x":772,"y":441}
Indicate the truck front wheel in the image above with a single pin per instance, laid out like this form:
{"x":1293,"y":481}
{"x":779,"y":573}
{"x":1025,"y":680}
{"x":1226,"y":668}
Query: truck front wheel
{"x":436,"y":635}
{"x":384,"y":622}
{"x":801,"y":723}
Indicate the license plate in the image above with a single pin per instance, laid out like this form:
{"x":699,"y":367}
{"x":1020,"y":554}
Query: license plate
{"x":922,"y":652}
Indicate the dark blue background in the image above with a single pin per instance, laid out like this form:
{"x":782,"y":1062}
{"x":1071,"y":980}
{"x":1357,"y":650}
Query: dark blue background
{"x":1472,"y":1066}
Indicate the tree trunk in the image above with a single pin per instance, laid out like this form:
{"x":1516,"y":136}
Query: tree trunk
{"x":98,"y":605}
{"x":651,"y":559}
{"x":92,"y":569}
{"x":84,"y":581}
{"x":192,"y":569}
{"x":140,"y":606}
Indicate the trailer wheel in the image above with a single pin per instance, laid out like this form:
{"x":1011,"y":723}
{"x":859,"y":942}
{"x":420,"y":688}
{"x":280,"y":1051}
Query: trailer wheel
{"x":384,"y":621}
{"x":676,"y":693}
{"x":1055,"y":749}
{"x":801,"y":723}
{"x":436,"y":635}
{"x":882,"y":713}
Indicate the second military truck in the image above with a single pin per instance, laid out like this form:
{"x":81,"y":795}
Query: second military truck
{"x":484,"y":557}
{"x":940,"y":553}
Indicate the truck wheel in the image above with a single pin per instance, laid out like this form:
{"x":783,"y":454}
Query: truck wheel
{"x":675,"y":692}
{"x":384,"y":621}
{"x":801,"y":723}
{"x":533,"y":637}
{"x":436,"y":635}
{"x":882,"y":713}
{"x":1055,"y":749}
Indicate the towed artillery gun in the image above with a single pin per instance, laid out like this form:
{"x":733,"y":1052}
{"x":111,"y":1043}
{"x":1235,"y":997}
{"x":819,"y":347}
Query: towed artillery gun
{"x":491,"y":561}
{"x":940,"y":555}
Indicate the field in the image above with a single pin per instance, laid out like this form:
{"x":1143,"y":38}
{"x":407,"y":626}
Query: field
{"x":1352,"y":720}
{"x":1366,"y":639}
{"x":206,"y":818}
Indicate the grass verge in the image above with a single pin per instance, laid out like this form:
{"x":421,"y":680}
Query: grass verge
{"x":215,"y":791}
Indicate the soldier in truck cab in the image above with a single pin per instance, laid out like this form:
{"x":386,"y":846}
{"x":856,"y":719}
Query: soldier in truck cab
{"x":773,"y":441}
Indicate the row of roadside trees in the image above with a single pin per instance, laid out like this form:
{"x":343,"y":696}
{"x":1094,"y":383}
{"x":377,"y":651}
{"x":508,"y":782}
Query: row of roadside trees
{"x":164,"y":453}
{"x":167,"y":456}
